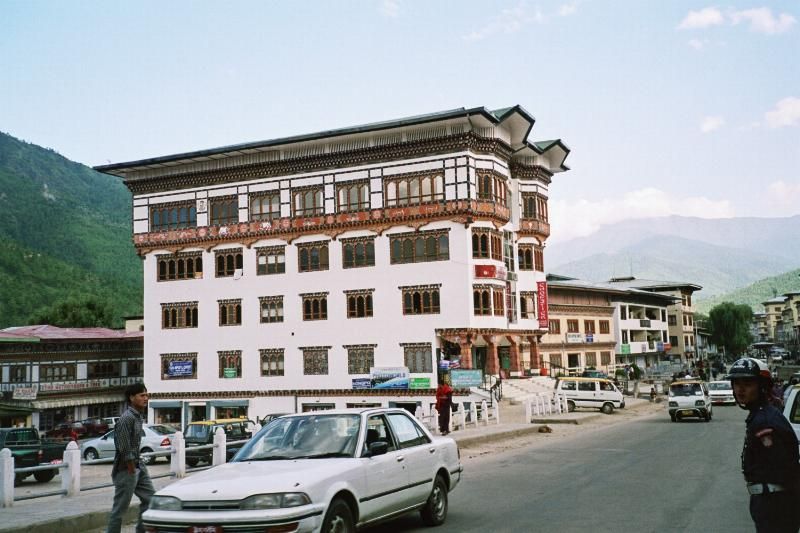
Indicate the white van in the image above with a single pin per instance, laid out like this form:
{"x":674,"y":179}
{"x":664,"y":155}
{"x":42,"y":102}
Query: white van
{"x":689,"y":398}
{"x":595,"y":393}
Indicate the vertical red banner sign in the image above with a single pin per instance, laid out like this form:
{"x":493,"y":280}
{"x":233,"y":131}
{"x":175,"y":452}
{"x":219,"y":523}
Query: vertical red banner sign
{"x":541,"y":289}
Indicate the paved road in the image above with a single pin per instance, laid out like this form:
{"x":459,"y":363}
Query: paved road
{"x":643,"y":475}
{"x":650,"y":475}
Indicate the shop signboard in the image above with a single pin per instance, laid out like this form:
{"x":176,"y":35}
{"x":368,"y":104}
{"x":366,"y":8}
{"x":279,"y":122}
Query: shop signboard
{"x":463,"y":379}
{"x":362,"y":383}
{"x":625,"y":349}
{"x":394,"y":377}
{"x":25,"y":393}
{"x":229,"y":373}
{"x":541,"y":301}
{"x":574,"y":337}
{"x":589,"y":337}
{"x":179,"y":369}
{"x":419,"y":382}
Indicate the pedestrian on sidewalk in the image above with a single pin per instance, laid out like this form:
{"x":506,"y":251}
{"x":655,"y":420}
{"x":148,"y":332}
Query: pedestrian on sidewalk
{"x":444,"y":402}
{"x":129,"y":474}
{"x":770,"y":455}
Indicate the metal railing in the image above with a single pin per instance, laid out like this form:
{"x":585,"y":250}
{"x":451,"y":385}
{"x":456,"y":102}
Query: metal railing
{"x":70,"y":467}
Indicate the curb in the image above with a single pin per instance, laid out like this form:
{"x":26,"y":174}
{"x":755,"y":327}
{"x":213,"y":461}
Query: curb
{"x":77,"y":523}
{"x":500,"y":435}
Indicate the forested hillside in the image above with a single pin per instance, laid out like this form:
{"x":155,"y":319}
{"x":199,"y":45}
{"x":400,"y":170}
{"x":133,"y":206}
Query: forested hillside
{"x":756,"y":293}
{"x":65,"y":232}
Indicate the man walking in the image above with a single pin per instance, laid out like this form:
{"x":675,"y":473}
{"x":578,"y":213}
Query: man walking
{"x":770,"y":454}
{"x":129,"y":475}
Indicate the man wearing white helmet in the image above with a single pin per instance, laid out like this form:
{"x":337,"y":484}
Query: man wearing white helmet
{"x":770,"y":458}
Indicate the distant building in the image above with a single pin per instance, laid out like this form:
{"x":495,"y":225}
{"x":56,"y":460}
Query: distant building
{"x":791,"y":321}
{"x":773,"y":309}
{"x":760,"y":328}
{"x":298,"y":273}
{"x":602,"y":325}
{"x":50,"y":375}
{"x":680,"y":315}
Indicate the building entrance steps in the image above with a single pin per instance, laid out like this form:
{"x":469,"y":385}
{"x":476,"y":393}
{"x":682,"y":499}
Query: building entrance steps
{"x":519,"y":390}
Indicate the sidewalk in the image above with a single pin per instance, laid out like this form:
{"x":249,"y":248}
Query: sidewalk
{"x":89,"y":510}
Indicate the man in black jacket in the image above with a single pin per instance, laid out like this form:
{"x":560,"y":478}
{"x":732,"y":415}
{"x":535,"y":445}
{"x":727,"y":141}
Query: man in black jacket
{"x":129,"y":474}
{"x":770,"y":454}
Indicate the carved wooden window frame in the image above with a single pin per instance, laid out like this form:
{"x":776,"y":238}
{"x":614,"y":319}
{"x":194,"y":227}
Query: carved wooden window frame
{"x":271,"y":308}
{"x":554,"y":326}
{"x":179,"y":315}
{"x":274,"y":260}
{"x":360,"y":358}
{"x":54,"y":372}
{"x":315,"y":306}
{"x":308,"y":201}
{"x":359,"y":303}
{"x":358,"y":252}
{"x":269,"y":200}
{"x":313,"y":256}
{"x":481,"y":300}
{"x":228,"y":357}
{"x":227,"y":262}
{"x":178,"y":215}
{"x":315,"y":360}
{"x":487,"y":244}
{"x":223,"y":211}
{"x":573,"y":326}
{"x":414,"y":189}
{"x":419,"y":247}
{"x":534,"y":206}
{"x":527,"y":304}
{"x":180,"y":266}
{"x":352,"y":196}
{"x":418,"y":357}
{"x":230,"y":312}
{"x":421,"y":299}
{"x":274,"y":360}
{"x":525,"y":257}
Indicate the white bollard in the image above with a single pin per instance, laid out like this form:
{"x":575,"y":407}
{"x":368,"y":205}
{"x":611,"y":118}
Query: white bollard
{"x":434,"y":419}
{"x":473,"y":413}
{"x":461,"y":419}
{"x":529,"y":409}
{"x":6,"y":478}
{"x":484,"y":413}
{"x":71,"y":475}
{"x":177,"y":458}
{"x":497,"y":413}
{"x":220,"y":445}
{"x":419,"y":414}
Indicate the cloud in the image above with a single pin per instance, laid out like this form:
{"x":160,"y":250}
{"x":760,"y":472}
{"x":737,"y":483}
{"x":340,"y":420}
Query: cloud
{"x":763,"y":21}
{"x":390,"y":8}
{"x":508,"y":21}
{"x":568,"y":9}
{"x":760,"y":20}
{"x":786,"y":113}
{"x":710,"y":124}
{"x":709,"y":16}
{"x":783,"y":198}
{"x":584,"y":217}
{"x":698,"y":44}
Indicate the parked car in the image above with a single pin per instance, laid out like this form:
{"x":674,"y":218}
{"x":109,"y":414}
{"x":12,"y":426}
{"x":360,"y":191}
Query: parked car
{"x":157,"y":438}
{"x":27,"y":449}
{"x":721,"y":392}
{"x":67,"y":431}
{"x":202,"y":432}
{"x":791,"y":409}
{"x":321,"y":471}
{"x":111,"y":421}
{"x":266,"y":419}
{"x":689,"y":398}
{"x":95,"y":426}
{"x":594,"y":374}
{"x":592,"y":392}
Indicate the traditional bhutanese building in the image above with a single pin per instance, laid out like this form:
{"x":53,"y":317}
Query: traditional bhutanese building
{"x":300,"y":273}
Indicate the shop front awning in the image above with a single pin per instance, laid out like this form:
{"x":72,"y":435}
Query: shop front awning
{"x":14,"y":410}
{"x":72,"y":402}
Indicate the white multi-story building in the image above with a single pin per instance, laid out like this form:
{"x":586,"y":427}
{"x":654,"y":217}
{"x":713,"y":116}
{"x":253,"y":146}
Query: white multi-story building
{"x":298,"y":273}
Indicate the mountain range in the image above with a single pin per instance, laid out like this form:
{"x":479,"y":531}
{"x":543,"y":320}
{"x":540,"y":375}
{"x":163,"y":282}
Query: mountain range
{"x":65,"y":232}
{"x":721,"y":255}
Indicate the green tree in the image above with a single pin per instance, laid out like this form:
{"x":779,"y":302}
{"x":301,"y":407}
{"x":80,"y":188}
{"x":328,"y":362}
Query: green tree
{"x":730,"y":327}
{"x":76,"y":312}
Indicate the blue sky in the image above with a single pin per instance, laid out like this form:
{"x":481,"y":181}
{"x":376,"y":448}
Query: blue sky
{"x":669,"y":107}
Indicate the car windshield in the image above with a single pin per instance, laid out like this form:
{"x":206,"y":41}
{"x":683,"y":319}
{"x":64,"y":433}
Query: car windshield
{"x":719,"y":386}
{"x":685,"y":389}
{"x":197,"y":431}
{"x":304,"y":437}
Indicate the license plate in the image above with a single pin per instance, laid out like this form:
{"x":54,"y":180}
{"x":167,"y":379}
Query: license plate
{"x":204,"y":529}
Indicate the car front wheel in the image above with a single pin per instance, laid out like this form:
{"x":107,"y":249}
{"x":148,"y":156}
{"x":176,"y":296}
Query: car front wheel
{"x":91,"y":454}
{"x":339,"y":518}
{"x":435,"y":511}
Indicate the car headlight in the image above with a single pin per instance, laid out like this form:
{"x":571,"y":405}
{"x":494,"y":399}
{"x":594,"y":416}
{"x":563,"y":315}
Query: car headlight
{"x":165,"y":503}
{"x":673,"y":404}
{"x":274,"y":501}
{"x":699,"y":403}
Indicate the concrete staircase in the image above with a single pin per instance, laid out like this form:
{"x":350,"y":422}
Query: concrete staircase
{"x":516,"y":391}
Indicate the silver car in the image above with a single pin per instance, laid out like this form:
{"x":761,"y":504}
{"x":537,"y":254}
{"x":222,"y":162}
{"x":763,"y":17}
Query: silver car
{"x":157,"y":438}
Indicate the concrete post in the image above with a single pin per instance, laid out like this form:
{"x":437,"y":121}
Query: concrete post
{"x":484,"y":413}
{"x":177,"y":458}
{"x":497,"y":412}
{"x":6,"y":478}
{"x":434,"y":419}
{"x":220,"y":444}
{"x":71,"y":475}
{"x":473,"y":414}
{"x":529,"y":410}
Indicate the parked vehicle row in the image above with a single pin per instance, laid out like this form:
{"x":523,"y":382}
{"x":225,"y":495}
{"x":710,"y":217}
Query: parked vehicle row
{"x":157,"y":438}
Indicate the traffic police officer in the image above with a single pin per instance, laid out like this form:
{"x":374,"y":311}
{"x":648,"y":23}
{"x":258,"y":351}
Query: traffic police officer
{"x":770,"y":458}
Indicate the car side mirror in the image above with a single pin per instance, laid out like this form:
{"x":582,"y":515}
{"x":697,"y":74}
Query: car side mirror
{"x":105,"y":437}
{"x":377,"y":448}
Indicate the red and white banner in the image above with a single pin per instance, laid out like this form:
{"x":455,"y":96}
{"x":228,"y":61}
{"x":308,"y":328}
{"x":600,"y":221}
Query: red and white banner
{"x":541,"y":289}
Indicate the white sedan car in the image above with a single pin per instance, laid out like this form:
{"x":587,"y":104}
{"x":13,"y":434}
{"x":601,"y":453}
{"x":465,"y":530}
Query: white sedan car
{"x":721,"y":392}
{"x":157,"y":438}
{"x":325,"y":471}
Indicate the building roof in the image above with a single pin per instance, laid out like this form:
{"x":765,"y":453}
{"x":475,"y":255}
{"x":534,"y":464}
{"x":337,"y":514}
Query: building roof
{"x":776,"y":300}
{"x":651,"y":284}
{"x":520,"y":123}
{"x":46,"y":332}
{"x":563,"y":282}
